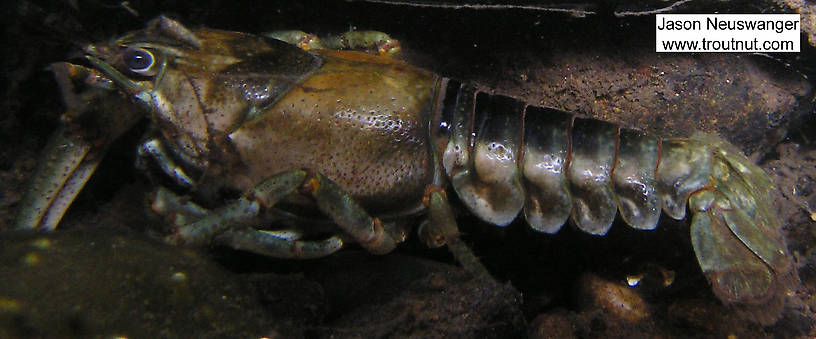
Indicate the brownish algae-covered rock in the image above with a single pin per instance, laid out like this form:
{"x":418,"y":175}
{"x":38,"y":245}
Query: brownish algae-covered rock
{"x":82,"y":284}
{"x":78,"y":284}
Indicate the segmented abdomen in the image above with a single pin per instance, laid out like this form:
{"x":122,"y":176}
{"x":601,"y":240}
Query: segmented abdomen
{"x":503,"y":156}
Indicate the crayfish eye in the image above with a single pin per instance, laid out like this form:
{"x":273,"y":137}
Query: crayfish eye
{"x":138,"y":61}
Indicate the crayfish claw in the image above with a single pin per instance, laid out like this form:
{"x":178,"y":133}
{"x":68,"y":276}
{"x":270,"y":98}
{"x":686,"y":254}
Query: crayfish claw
{"x":62,"y":171}
{"x":76,"y":148}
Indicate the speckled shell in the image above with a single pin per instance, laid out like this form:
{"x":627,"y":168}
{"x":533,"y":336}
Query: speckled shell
{"x":360,"y":120}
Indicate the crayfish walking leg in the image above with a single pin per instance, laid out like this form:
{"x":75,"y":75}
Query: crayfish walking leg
{"x":220,"y":225}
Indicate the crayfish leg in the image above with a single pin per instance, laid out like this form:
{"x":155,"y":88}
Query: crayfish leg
{"x":243,"y":210}
{"x":276,"y":245}
{"x":350,"y":217}
{"x":441,"y":229}
{"x":372,"y":42}
{"x":229,"y":224}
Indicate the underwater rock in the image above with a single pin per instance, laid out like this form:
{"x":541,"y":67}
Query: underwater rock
{"x":82,"y":284}
{"x":406,"y":296}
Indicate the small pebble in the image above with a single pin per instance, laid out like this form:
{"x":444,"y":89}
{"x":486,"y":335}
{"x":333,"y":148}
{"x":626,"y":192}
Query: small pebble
{"x":179,"y":277}
{"x":619,"y":301}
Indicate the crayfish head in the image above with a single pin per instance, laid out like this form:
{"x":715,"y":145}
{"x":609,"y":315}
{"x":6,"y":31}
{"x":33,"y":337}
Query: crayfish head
{"x":138,"y":62}
{"x":199,"y":85}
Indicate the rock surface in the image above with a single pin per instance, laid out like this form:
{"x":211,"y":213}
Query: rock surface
{"x":78,"y":284}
